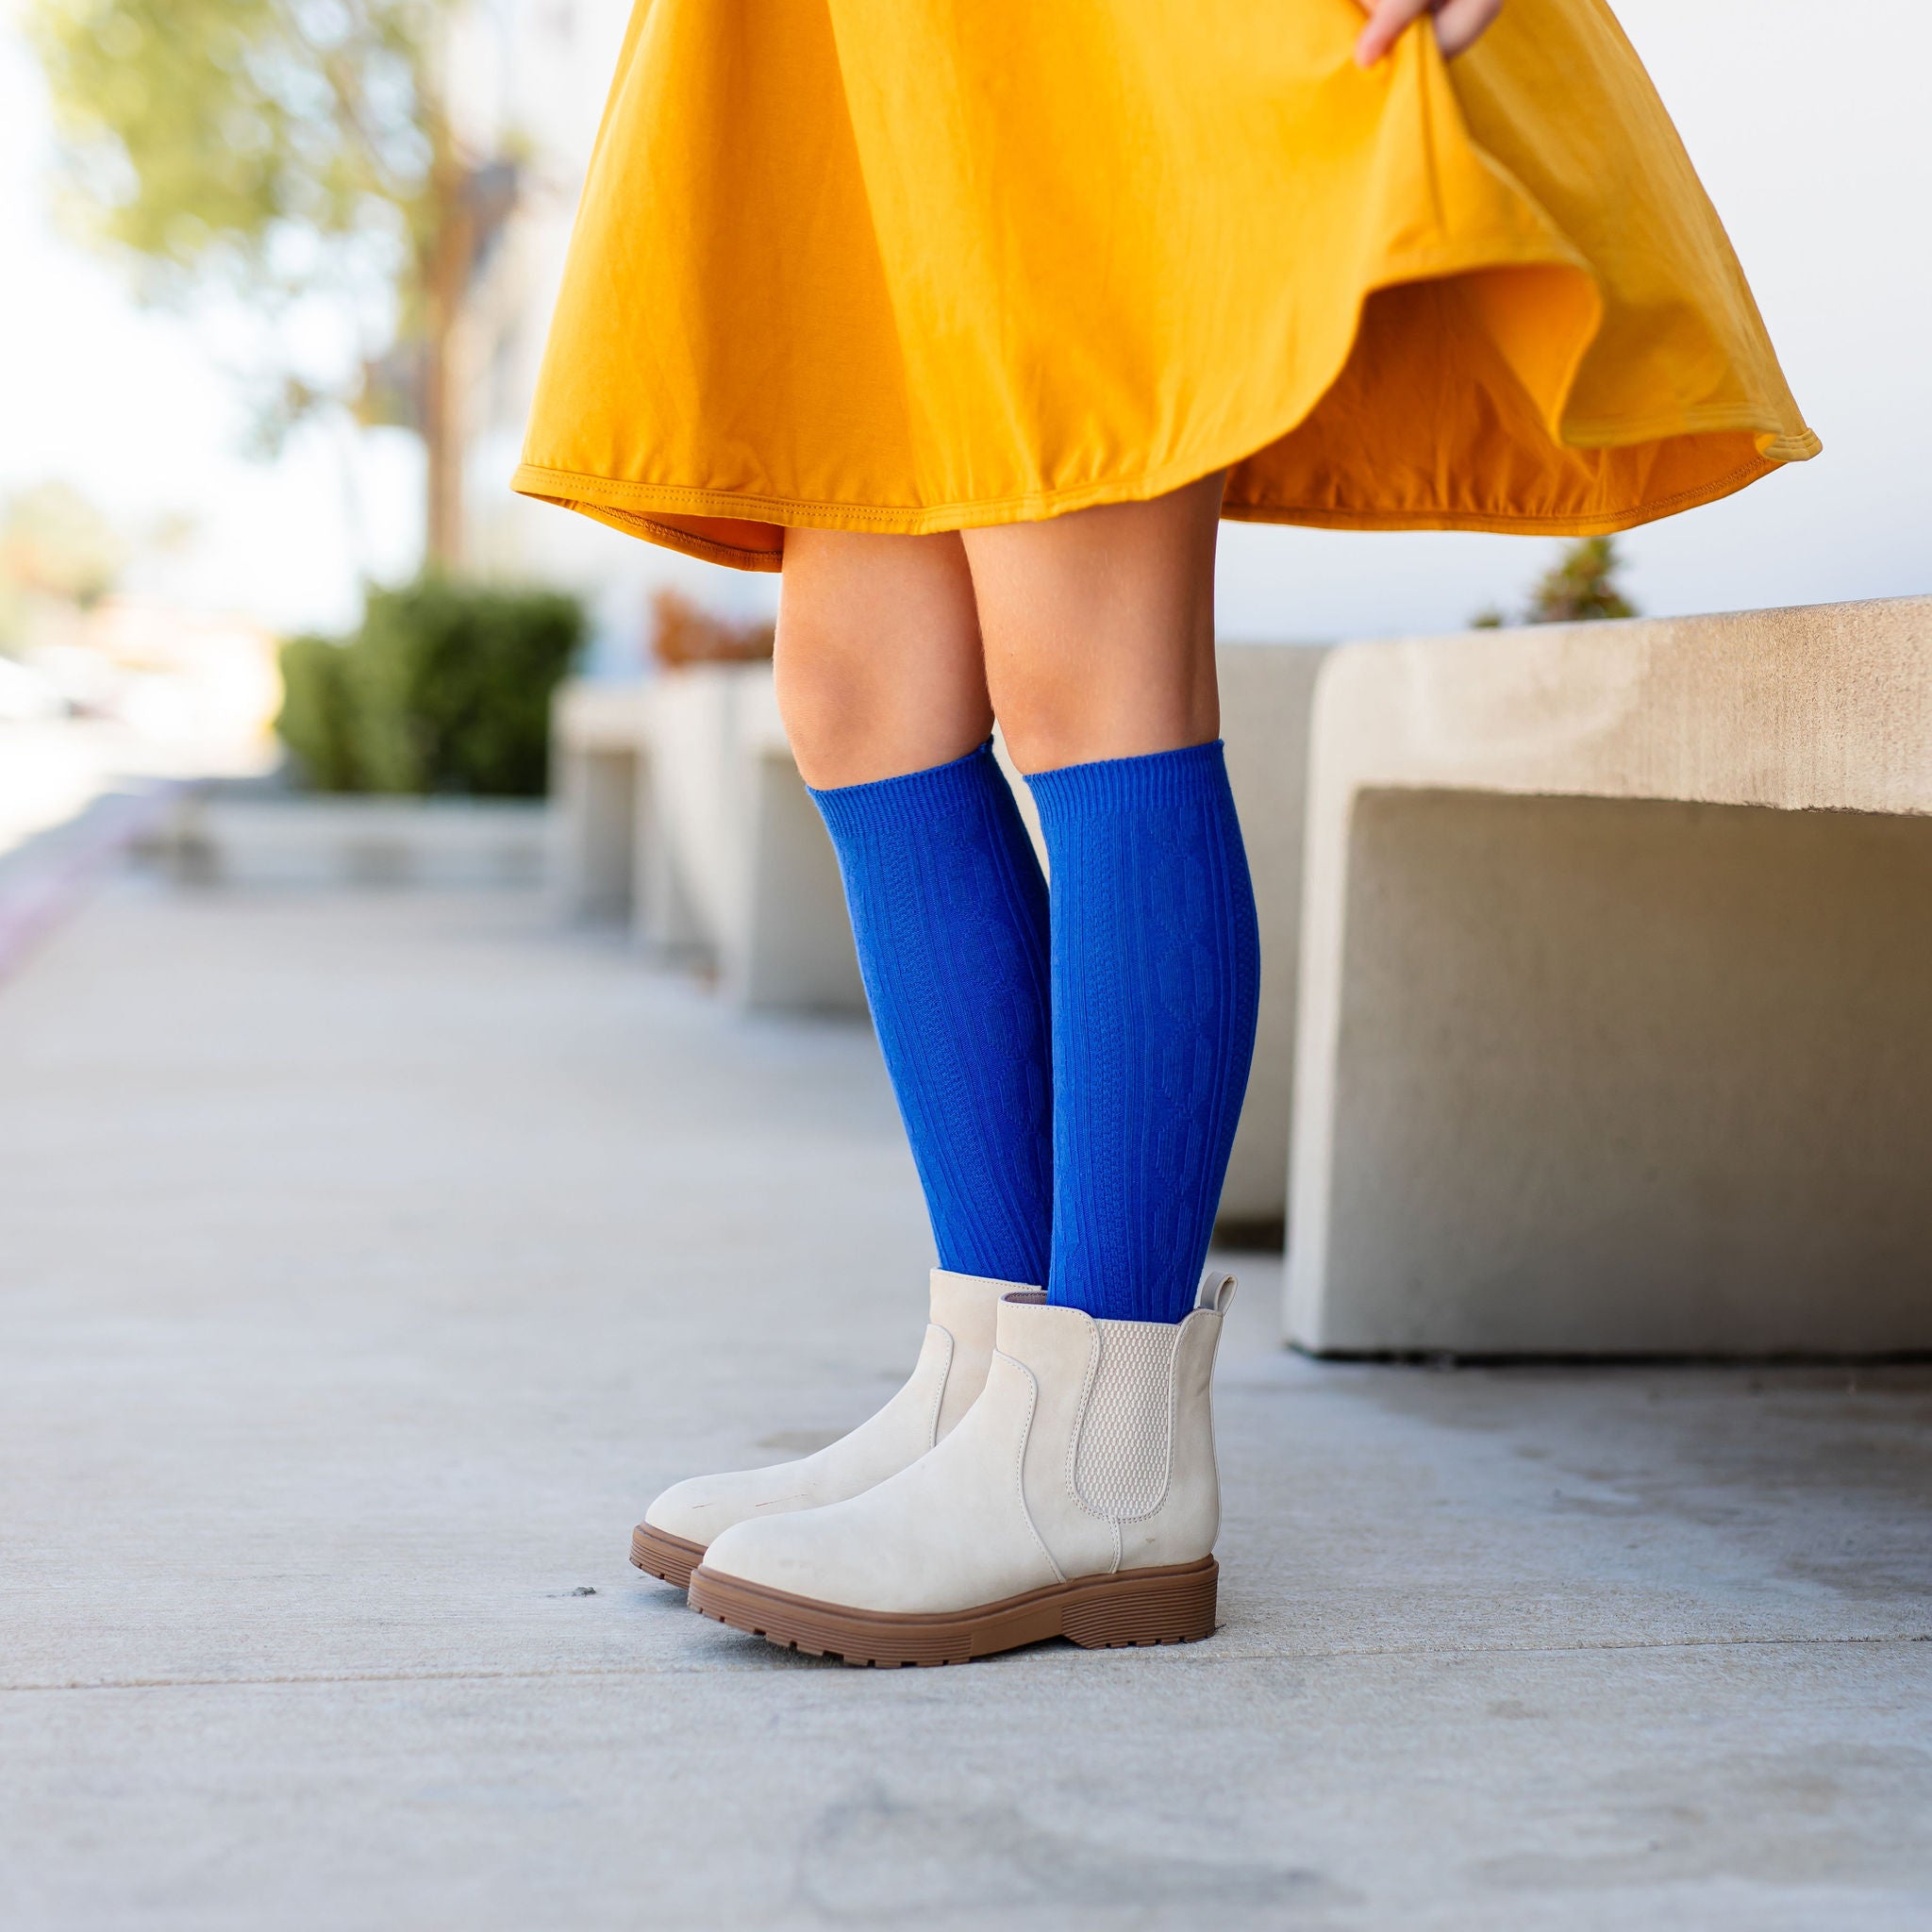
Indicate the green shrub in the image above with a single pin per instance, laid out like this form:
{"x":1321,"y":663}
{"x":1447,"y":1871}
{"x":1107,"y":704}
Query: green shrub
{"x":318,"y":720}
{"x":445,"y":688}
{"x":1579,"y":588}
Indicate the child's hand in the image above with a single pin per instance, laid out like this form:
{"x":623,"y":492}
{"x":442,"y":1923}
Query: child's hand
{"x":1457,"y":25}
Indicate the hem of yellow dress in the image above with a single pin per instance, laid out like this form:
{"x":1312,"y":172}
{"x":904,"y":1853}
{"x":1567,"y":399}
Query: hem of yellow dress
{"x":668,"y":535}
{"x":1782,"y":446}
{"x":1333,"y":517}
{"x":577,"y":490}
{"x":607,"y":499}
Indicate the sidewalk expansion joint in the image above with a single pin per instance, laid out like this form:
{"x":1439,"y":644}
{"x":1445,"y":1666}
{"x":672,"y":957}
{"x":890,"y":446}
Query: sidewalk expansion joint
{"x":1197,"y":1657}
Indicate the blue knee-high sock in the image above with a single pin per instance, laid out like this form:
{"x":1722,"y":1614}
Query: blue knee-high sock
{"x":949,"y":913}
{"x":1156,"y":966}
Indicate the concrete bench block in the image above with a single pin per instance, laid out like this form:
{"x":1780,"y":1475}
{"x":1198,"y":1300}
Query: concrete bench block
{"x":1267,"y":691}
{"x":680,"y":809}
{"x":1615,"y":991}
{"x":746,"y":846}
{"x":597,"y":745}
{"x":696,"y":845}
{"x":354,"y":841}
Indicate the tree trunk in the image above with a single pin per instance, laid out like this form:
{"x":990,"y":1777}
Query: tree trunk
{"x":446,"y":276}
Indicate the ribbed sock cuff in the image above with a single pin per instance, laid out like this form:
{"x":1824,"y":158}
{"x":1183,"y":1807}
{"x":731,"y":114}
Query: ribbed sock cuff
{"x":1186,"y":776}
{"x":854,"y":811}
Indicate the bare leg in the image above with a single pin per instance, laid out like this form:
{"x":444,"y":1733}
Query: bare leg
{"x":1099,"y":629}
{"x":878,"y":662}
{"x":1098,"y":639}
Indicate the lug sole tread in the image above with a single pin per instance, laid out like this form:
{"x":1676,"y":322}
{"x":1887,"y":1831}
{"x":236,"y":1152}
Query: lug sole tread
{"x":1131,"y":1609}
{"x":670,"y":1558}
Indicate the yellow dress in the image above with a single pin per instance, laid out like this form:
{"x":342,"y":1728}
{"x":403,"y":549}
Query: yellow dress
{"x":915,"y":265}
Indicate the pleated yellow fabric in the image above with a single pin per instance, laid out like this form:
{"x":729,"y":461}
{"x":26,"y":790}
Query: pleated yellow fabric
{"x":914,"y":265}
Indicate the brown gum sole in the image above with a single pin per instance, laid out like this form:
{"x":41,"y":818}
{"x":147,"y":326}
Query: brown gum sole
{"x":1172,"y":1604}
{"x":664,"y":1555}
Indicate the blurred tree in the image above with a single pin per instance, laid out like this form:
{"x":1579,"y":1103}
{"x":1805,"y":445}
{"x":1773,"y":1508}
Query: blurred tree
{"x":288,"y":152}
{"x":1581,"y":585}
{"x":58,"y":546}
{"x":58,"y":542}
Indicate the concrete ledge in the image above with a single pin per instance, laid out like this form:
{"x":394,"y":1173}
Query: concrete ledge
{"x":307,"y":840}
{"x":742,"y":867}
{"x":596,"y":733}
{"x":679,"y":810}
{"x":1615,"y":1008}
{"x":1267,"y":691}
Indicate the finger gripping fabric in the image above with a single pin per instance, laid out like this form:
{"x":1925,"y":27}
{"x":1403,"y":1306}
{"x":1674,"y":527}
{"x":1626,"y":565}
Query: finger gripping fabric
{"x":1126,"y":1434}
{"x":949,"y":915}
{"x":1156,"y":966}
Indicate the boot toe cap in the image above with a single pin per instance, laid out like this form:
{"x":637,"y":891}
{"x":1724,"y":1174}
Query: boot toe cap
{"x":703,"y":1506}
{"x":867,"y":1555}
{"x":834,"y":1555}
{"x":681,"y":1512}
{"x":777,"y":1552}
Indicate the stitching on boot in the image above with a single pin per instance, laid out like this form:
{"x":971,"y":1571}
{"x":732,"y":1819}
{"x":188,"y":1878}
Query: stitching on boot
{"x":1213,"y":1451}
{"x":1020,"y":1464}
{"x":1123,"y":1462}
{"x":939,"y":1400}
{"x":1080,"y":1417}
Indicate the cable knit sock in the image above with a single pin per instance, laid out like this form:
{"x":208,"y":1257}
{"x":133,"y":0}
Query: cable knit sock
{"x":1157,"y":965}
{"x":949,"y":913}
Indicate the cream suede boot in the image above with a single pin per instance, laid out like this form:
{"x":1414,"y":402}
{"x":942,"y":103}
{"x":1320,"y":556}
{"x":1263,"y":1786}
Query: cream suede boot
{"x":945,"y":1383}
{"x":1078,"y":1499}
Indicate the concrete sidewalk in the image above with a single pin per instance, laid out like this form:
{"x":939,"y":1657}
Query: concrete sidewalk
{"x":367,"y":1263}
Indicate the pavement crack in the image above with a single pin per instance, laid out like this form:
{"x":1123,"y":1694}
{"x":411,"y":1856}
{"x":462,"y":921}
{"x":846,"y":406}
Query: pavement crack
{"x":1198,"y":1656}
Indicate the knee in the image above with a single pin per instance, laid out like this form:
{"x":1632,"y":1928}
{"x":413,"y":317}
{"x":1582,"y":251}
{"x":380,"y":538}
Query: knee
{"x":1068,"y":698}
{"x":1051,"y":716}
{"x":1099,"y":629}
{"x":879,"y":662}
{"x":836,"y":716}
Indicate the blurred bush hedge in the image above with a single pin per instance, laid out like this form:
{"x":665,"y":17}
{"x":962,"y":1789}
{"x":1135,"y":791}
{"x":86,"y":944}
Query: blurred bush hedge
{"x":445,"y":688}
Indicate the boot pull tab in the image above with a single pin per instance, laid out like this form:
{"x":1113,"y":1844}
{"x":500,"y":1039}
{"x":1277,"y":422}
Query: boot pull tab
{"x":1215,"y":1293}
